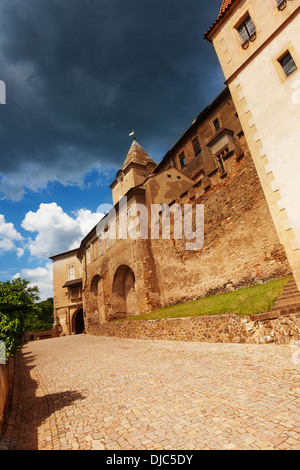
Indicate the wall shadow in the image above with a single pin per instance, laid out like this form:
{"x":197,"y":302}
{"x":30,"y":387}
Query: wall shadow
{"x":27,"y":411}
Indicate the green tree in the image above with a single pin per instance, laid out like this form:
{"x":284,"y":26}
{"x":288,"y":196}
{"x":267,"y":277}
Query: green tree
{"x":17,"y":304}
{"x":42,"y":318}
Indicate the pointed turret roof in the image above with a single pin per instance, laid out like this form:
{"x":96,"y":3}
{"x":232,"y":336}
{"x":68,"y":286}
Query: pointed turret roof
{"x":138,"y":155}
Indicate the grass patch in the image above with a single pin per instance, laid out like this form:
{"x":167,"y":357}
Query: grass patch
{"x":245,"y":301}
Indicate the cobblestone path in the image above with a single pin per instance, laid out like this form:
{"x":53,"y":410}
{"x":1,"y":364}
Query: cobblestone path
{"x":87,"y":392}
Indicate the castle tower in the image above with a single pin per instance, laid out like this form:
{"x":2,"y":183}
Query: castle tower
{"x":258,"y":46}
{"x":137,"y":166}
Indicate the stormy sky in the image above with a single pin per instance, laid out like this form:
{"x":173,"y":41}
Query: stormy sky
{"x":80,"y":75}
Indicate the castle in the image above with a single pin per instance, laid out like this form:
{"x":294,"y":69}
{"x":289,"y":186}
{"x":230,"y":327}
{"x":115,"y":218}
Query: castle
{"x":251,"y":232}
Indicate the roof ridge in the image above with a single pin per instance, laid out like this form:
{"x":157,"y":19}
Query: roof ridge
{"x":226,"y":5}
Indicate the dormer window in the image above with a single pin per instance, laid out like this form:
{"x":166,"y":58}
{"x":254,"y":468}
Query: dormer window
{"x":222,"y":147}
{"x":247,"y":31}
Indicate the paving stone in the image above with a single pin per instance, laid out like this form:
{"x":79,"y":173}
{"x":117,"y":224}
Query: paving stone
{"x":87,"y":392}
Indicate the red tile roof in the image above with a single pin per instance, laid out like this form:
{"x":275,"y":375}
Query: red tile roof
{"x":226,"y":5}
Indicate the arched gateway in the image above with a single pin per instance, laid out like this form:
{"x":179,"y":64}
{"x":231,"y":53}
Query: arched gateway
{"x":124,"y":301}
{"x":78,"y":322}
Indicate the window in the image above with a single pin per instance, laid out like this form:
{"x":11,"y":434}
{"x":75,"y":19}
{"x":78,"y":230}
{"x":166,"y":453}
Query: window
{"x":182,"y":160}
{"x":197,"y":147}
{"x":281,"y":4}
{"x":220,"y":159}
{"x":99,"y":243}
{"x":71,"y":272}
{"x":88,"y":255}
{"x":106,"y":237}
{"x":224,"y":152}
{"x":247,"y":31}
{"x":217,"y":124}
{"x":288,"y":64}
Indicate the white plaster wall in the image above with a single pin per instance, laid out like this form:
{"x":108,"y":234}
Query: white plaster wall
{"x":277,"y":118}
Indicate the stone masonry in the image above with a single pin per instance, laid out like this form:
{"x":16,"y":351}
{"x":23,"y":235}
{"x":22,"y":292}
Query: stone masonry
{"x":114,"y":277}
{"x":89,"y":392}
{"x":228,"y":328}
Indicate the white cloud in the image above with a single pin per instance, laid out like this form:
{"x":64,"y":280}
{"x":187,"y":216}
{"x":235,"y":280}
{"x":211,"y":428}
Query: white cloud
{"x":20,"y":252}
{"x":41,"y":277}
{"x":56,"y":230}
{"x":9,"y":236}
{"x":87,"y":220}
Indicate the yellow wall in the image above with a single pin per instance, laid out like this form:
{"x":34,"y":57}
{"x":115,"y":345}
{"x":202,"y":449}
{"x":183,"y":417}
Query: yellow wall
{"x":267,"y":19}
{"x":265,"y":102}
{"x":63,"y":305}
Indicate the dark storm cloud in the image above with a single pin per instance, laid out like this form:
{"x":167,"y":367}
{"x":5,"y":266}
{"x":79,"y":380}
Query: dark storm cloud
{"x":81,"y":74}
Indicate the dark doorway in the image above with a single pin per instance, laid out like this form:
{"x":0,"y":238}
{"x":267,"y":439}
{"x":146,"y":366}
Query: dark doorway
{"x":79,"y":322}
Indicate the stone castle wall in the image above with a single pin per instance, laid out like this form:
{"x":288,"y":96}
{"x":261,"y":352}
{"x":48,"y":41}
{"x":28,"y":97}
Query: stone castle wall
{"x":126,"y":277}
{"x":241,"y":245}
{"x":228,"y":328}
{"x":241,"y":248}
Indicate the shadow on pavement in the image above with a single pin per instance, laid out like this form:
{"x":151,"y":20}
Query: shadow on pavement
{"x":27,"y":411}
